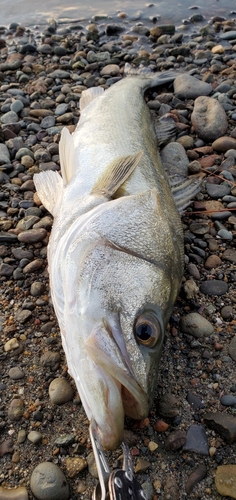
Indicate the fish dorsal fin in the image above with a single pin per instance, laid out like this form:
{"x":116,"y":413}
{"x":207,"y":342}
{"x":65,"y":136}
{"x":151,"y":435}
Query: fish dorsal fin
{"x":115,"y":174}
{"x":49,"y":186}
{"x":66,"y":152}
{"x":89,"y":95}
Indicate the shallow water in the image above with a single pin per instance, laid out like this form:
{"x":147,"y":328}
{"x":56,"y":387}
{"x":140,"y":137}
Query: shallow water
{"x":34,"y":12}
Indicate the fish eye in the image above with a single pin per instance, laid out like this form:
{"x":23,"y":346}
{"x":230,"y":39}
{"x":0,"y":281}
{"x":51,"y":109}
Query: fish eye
{"x":147,"y":330}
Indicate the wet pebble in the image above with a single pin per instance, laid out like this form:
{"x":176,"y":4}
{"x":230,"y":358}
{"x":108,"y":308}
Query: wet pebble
{"x":48,"y":482}
{"x":228,"y":400}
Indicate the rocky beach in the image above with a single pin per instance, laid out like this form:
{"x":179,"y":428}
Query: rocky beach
{"x":186,"y":448}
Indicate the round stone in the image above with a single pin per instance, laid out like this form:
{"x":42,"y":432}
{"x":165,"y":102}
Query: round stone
{"x":196,"y":325}
{"x":225,"y":480}
{"x":16,"y":373}
{"x":48,"y":482}
{"x":16,"y":409}
{"x":60,"y":391}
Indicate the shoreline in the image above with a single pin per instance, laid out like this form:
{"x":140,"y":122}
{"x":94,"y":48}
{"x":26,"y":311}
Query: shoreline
{"x":191,"y":429}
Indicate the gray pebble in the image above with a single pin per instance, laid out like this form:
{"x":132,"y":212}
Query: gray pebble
{"x":189,"y":87}
{"x":35,"y":437}
{"x":60,"y":391}
{"x":48,"y":482}
{"x":23,"y":316}
{"x":216,"y":191}
{"x":214,"y":287}
{"x":17,"y":106}
{"x":16,"y":373}
{"x":37,"y":288}
{"x":228,"y":400}
{"x":65,"y":440}
{"x":225,"y":235}
{"x":21,"y":436}
{"x":196,"y":440}
{"x":10,"y":117}
{"x":174,"y":159}
{"x":232,"y":348}
{"x":196,"y":325}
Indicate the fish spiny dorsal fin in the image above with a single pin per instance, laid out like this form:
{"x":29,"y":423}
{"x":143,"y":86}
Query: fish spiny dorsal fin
{"x":89,"y":95}
{"x":66,"y":152}
{"x":115,"y":174}
{"x":49,"y":186}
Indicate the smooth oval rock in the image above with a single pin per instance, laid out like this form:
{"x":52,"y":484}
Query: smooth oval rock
{"x":189,"y":87}
{"x":214,"y":287}
{"x":32,"y":236}
{"x":48,"y":482}
{"x":16,"y":409}
{"x":222,"y":144}
{"x":209,"y":118}
{"x":60,"y":391}
{"x":196,"y":325}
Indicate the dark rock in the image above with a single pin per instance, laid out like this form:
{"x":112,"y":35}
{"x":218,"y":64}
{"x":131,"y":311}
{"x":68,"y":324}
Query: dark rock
{"x":196,"y":440}
{"x":223,"y":424}
{"x":214,"y":287}
{"x":175,"y":440}
{"x":195,"y":477}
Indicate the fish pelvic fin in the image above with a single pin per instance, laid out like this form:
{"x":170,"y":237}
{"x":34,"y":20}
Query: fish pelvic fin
{"x":66,"y":152}
{"x":49,"y":186}
{"x":115,"y":174}
{"x":89,"y":95}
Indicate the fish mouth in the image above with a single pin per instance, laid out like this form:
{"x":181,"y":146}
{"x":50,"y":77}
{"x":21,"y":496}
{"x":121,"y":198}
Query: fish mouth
{"x":122,"y":395}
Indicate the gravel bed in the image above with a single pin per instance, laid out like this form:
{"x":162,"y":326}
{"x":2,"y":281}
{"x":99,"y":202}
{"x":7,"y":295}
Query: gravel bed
{"x":186,"y":447}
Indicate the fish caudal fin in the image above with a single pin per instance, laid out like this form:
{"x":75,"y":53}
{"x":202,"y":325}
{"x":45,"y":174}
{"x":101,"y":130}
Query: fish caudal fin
{"x":89,"y":95}
{"x":115,"y":174}
{"x":49,"y":186}
{"x":66,"y":152}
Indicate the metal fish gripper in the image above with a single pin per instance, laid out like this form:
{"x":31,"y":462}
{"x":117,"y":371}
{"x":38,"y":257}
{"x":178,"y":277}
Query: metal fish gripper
{"x":119,"y":484}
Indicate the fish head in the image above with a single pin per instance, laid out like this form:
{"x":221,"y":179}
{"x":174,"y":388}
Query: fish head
{"x":114,"y":280}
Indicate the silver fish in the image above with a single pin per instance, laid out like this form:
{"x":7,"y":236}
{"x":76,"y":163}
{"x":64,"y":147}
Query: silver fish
{"x":115,"y":253}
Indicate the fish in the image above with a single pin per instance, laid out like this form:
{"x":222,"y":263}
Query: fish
{"x":115,"y":253}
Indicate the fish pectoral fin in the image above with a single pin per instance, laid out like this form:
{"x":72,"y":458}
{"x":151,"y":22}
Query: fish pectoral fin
{"x":115,"y":174}
{"x":89,"y":95}
{"x":66,"y":153}
{"x":184,"y":189}
{"x":49,"y":186}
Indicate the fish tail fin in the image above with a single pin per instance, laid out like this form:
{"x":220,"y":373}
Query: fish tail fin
{"x":49,"y":186}
{"x":153,"y":79}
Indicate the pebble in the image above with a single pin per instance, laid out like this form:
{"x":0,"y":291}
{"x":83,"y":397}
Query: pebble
{"x":16,"y":373}
{"x":196,"y":440}
{"x":48,"y":482}
{"x":189,"y":87}
{"x":174,"y":159}
{"x":232,"y":348}
{"x":35,"y":437}
{"x":16,"y":409}
{"x":195,"y":477}
{"x":168,"y":406}
{"x":195,"y":324}
{"x":209,"y":118}
{"x":212,"y":262}
{"x":223,"y":144}
{"x":230,"y":255}
{"x":225,"y":480}
{"x":214,"y":287}
{"x":19,"y":493}
{"x":175,"y":440}
{"x":37,"y":288}
{"x":50,"y":359}
{"x":65,"y":440}
{"x":60,"y":391}
{"x":32,"y":236}
{"x":223,"y":424}
{"x":6,"y":447}
{"x":11,"y":344}
{"x":228,"y":400}
{"x":74,"y":465}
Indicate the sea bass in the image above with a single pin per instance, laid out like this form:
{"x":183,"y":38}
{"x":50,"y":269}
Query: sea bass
{"x":115,"y":253}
